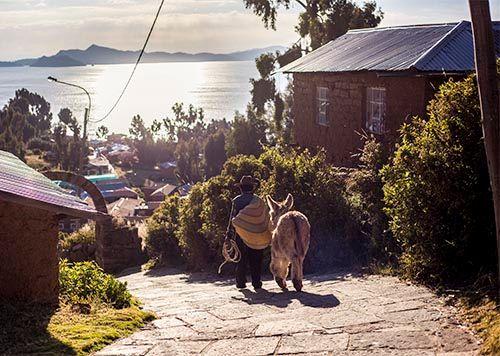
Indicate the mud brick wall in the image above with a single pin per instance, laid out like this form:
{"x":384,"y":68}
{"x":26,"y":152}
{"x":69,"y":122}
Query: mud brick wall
{"x":29,"y":268}
{"x":118,"y":247}
{"x":405,"y":97}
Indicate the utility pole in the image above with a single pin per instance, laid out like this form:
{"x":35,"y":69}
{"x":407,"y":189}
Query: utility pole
{"x":488,"y":83}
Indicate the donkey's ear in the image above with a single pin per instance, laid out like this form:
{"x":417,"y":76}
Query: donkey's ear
{"x":271,"y":203}
{"x":289,"y":201}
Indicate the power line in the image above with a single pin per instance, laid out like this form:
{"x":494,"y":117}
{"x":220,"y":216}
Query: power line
{"x":135,"y":67}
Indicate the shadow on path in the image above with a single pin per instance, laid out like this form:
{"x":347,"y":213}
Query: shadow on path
{"x":284,"y":298}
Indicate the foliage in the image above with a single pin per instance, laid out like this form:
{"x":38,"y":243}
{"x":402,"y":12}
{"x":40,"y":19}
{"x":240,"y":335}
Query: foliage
{"x":102,"y":132}
{"x":40,"y":143}
{"x":161,"y":243}
{"x":215,"y":154}
{"x":437,"y":192}
{"x":84,"y":235}
{"x":484,"y":318}
{"x":321,"y":20}
{"x":366,"y":198}
{"x":71,"y":152}
{"x":200,"y":221}
{"x":246,"y":136}
{"x":44,"y":330}
{"x":85,"y":282}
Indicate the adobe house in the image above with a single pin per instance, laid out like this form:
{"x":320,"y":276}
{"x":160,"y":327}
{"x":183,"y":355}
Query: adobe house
{"x":31,"y":206}
{"x":374,"y":80}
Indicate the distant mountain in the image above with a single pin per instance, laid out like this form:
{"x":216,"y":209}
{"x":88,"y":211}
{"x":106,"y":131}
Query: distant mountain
{"x":104,"y":55}
{"x":59,"y":60}
{"x":19,"y":62}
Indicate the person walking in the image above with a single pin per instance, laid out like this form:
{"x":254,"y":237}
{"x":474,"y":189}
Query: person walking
{"x":251,"y":249}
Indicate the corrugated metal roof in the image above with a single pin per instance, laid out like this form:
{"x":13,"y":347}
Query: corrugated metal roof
{"x":18,"y":179}
{"x":425,"y":48}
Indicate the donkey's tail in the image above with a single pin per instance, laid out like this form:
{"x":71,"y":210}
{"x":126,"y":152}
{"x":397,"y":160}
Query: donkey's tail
{"x":297,"y":241}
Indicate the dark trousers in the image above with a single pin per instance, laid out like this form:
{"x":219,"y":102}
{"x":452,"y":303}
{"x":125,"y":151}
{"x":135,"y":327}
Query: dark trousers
{"x":251,"y":257}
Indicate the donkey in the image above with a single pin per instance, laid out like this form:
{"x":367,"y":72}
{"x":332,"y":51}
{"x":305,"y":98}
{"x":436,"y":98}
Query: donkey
{"x":290,"y":241}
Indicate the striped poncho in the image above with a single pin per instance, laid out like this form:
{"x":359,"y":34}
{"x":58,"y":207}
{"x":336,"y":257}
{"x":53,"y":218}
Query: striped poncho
{"x":252,"y":224}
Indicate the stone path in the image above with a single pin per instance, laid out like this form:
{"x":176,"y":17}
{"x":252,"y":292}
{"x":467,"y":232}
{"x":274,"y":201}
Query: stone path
{"x":336,"y":314}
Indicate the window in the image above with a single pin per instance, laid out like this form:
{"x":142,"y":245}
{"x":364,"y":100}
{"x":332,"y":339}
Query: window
{"x":375,"y":110}
{"x":322,"y":100}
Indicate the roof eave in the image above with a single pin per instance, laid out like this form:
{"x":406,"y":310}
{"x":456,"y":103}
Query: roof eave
{"x":56,"y":209}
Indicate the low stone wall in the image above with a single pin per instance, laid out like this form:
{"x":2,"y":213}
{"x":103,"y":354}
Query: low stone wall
{"x":118,"y":246}
{"x":29,"y":266}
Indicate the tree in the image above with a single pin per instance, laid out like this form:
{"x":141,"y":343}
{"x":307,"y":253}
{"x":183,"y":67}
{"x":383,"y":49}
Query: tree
{"x":138,"y":129}
{"x":322,"y":20}
{"x":102,"y":132}
{"x":185,"y":125}
{"x":71,"y":154}
{"x":215,"y":154}
{"x":247,"y":135}
{"x":36,"y":111}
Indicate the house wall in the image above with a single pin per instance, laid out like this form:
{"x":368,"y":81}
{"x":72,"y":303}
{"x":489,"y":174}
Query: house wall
{"x":405,"y":96}
{"x":29,"y":267}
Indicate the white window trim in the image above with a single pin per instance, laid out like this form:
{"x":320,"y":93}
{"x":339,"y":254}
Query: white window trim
{"x":381,"y":103}
{"x":322,"y":101}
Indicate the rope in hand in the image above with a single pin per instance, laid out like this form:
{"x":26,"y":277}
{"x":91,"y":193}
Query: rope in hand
{"x":230,"y":252}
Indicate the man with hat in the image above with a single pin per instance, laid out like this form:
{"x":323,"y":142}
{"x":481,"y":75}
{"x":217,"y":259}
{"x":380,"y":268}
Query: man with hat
{"x":249,"y":256}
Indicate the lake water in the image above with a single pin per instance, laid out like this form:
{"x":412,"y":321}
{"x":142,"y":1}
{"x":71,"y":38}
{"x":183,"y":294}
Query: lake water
{"x":220,"y":88}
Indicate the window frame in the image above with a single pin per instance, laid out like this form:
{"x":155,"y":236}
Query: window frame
{"x":322,"y":104}
{"x":376,"y":102}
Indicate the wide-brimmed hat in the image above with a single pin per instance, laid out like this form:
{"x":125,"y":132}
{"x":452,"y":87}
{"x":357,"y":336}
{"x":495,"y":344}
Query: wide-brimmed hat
{"x":247,"y":181}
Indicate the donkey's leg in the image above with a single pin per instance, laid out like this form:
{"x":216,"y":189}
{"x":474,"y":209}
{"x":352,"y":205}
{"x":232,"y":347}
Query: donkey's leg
{"x":279,"y":269}
{"x":297,"y":273}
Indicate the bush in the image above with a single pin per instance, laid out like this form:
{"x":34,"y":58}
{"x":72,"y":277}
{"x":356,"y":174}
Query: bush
{"x":161,"y":243}
{"x":198,"y":222}
{"x":86,"y":282}
{"x":40,"y":144}
{"x":84,"y":235}
{"x":437,"y":192}
{"x":366,"y":198}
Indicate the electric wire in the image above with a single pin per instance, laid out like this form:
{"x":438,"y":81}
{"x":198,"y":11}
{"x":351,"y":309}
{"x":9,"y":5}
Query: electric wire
{"x":133,"y":70}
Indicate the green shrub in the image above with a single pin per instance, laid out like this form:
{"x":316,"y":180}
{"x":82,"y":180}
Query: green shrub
{"x":86,"y":282}
{"x":366,"y":198}
{"x":198,"y":222}
{"x":161,"y":243}
{"x":84,"y":235}
{"x":437,"y":192}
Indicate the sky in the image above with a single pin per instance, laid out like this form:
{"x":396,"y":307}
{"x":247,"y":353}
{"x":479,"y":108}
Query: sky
{"x":31,"y":28}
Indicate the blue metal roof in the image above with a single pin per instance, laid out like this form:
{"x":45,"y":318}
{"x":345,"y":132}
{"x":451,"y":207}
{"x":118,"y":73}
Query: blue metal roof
{"x":425,"y":48}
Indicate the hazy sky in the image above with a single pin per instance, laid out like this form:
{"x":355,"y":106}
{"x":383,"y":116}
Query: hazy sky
{"x":30,"y":28}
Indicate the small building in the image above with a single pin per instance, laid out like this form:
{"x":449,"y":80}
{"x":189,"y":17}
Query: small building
{"x":373,"y":80}
{"x":99,"y":165}
{"x":31,"y":206}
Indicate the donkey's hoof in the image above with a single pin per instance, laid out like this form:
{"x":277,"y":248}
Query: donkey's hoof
{"x":297,"y":284}
{"x":281,"y":282}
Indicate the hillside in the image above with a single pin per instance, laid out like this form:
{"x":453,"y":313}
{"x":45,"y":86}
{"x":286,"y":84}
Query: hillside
{"x":59,"y":60}
{"x":104,"y":55}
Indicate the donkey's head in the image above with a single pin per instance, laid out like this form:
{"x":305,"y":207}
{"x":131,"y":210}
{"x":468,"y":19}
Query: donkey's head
{"x":277,"y":209}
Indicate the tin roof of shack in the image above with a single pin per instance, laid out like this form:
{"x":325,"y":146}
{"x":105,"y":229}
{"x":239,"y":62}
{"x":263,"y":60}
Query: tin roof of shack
{"x":434,"y":48}
{"x":21,"y":184}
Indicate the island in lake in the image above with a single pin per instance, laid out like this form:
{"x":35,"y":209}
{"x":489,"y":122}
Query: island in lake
{"x":104,"y":55}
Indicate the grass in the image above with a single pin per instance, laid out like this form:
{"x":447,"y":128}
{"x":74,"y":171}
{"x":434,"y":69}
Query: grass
{"x":483,"y":316}
{"x":44,"y":330}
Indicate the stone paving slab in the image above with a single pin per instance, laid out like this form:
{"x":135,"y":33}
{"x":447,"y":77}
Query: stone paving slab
{"x":336,"y":314}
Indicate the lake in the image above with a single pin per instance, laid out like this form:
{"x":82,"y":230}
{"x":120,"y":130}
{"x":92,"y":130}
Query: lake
{"x":220,"y":88}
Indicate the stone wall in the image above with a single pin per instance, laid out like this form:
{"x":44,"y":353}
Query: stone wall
{"x":405,"y":97}
{"x":29,"y":267}
{"x":118,"y":246}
